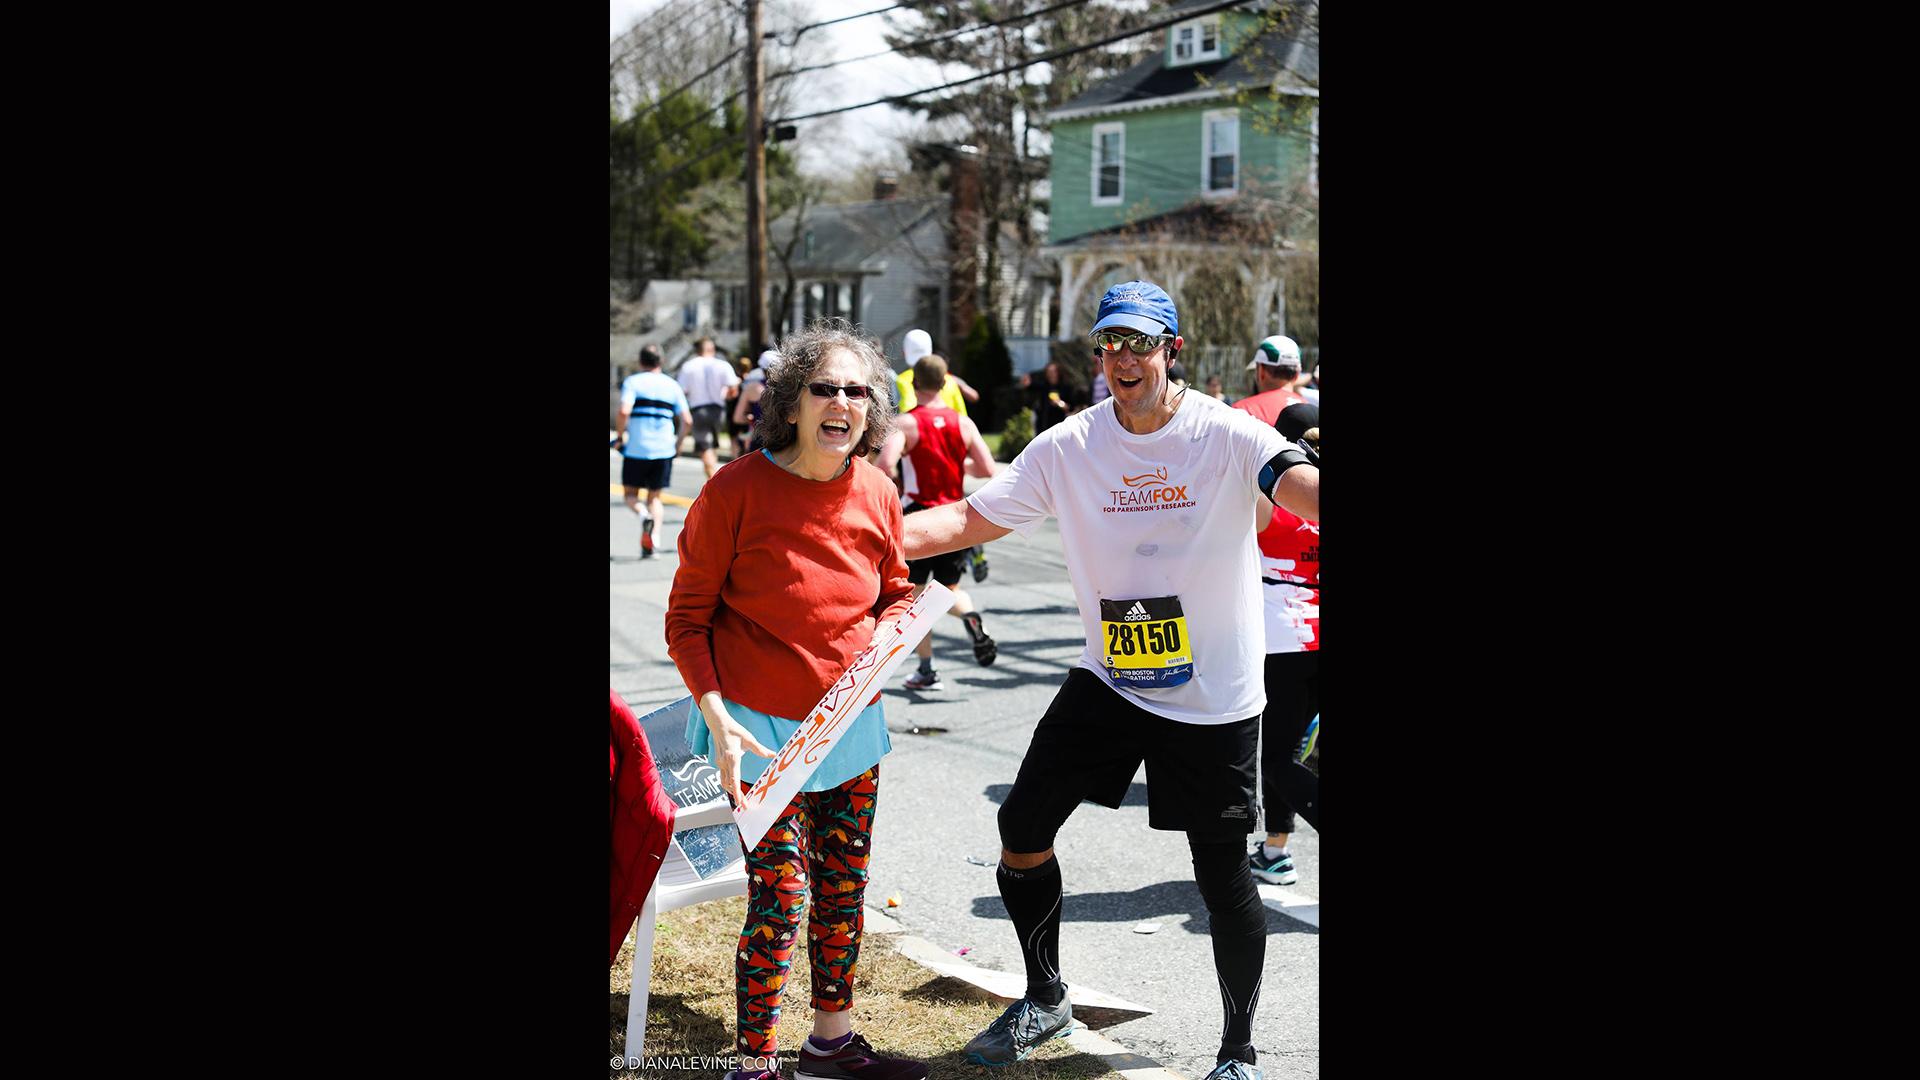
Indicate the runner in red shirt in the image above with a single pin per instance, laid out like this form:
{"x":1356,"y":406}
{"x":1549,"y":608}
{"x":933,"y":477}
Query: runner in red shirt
{"x":942,"y":448}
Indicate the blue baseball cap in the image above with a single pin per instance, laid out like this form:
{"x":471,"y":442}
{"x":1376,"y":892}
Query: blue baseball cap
{"x":1138,"y":305}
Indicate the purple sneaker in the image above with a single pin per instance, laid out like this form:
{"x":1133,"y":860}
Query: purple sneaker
{"x":857,"y":1060}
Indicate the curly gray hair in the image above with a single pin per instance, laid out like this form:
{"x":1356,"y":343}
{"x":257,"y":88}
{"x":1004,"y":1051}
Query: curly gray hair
{"x":801,"y":355}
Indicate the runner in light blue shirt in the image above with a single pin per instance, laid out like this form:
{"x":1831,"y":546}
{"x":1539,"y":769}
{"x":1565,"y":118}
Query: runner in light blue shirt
{"x":654,"y":412}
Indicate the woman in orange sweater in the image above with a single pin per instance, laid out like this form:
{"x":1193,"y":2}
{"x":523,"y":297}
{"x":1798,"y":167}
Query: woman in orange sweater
{"x":789,"y":560}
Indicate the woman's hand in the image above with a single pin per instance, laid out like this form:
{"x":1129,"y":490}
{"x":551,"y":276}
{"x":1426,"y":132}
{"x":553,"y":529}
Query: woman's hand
{"x":730,"y":742}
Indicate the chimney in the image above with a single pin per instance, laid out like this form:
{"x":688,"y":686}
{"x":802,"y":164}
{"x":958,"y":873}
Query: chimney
{"x":885,"y":186}
{"x":964,"y":239}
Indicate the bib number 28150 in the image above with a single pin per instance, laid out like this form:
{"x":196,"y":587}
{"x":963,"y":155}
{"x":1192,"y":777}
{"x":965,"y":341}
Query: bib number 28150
{"x":1146,"y":641}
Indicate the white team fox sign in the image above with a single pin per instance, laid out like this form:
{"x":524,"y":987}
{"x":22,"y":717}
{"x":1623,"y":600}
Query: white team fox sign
{"x":828,"y":720}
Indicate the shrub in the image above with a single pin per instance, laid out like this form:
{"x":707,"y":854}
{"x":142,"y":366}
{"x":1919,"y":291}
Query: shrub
{"x":1017,"y":434}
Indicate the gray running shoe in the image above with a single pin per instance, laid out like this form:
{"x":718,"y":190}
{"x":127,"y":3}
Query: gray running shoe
{"x":1234,"y":1070}
{"x":1025,"y":1025}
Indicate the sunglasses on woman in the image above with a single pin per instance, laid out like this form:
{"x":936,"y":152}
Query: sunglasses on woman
{"x":855,"y":392}
{"x":1137,"y":344}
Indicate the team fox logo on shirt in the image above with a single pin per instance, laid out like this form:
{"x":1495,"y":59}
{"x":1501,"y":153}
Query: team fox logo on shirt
{"x":1148,"y":491}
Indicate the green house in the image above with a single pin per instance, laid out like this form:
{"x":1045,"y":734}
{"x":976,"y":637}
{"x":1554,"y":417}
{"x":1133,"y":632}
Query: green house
{"x":1197,"y":169}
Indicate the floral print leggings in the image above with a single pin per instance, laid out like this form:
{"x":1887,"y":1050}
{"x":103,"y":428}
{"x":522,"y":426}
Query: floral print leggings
{"x":822,"y":838}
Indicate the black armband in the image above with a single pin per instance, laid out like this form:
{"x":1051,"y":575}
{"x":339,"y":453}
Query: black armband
{"x":1282,"y":461}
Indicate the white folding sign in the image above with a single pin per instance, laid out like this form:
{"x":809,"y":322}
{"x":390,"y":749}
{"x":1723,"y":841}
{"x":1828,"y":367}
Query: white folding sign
{"x":828,"y":720}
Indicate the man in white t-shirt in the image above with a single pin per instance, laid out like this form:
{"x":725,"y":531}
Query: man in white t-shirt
{"x":706,"y":378}
{"x":1156,"y":491}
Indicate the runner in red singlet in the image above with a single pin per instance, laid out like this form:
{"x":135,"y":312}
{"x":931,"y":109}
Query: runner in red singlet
{"x":942,"y":448}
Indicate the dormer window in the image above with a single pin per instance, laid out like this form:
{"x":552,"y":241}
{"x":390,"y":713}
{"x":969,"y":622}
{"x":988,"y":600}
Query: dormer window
{"x":1197,"y":40}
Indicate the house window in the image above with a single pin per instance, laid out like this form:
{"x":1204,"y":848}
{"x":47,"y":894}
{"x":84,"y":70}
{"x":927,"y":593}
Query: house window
{"x":1109,"y":161}
{"x":1196,"y":41}
{"x":826,"y":299}
{"x":732,"y":303}
{"x":1220,"y":164}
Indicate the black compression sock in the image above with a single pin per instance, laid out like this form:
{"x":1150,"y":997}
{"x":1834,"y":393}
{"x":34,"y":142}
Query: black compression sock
{"x":1239,"y":931}
{"x":1033,"y":902}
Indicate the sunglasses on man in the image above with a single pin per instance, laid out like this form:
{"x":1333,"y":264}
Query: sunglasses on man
{"x":855,"y":392}
{"x":1137,"y":344}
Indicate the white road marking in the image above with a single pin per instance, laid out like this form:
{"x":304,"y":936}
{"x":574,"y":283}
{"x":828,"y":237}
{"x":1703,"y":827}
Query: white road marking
{"x":1290,"y":902}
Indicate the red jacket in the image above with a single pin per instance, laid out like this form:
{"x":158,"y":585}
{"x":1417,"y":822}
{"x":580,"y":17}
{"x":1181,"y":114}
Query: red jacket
{"x":640,"y":816}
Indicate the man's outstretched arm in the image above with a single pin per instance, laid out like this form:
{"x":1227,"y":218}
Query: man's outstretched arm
{"x":1298,"y":491}
{"x":948,"y":528}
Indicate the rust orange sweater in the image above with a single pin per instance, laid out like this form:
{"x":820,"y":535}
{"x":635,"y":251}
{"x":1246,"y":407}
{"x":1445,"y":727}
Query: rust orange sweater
{"x":782,"y":580}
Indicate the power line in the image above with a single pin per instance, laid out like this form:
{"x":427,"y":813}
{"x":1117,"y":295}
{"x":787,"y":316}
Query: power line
{"x":777,"y":76}
{"x":901,"y":99}
{"x":668,"y":137}
{"x":642,"y":24}
{"x":716,"y":19}
{"x":739,"y":140}
{"x":633,"y":32}
{"x":717,"y":65}
{"x":731,"y":142}
{"x":844,"y":18}
{"x":723,"y":103}
{"x":934,"y":40}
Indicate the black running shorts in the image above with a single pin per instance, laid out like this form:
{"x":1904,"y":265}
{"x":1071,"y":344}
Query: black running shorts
{"x":650,"y":474}
{"x":708,"y":420}
{"x":1202,"y":779}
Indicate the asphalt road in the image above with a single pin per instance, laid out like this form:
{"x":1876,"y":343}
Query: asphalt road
{"x":955,"y":754}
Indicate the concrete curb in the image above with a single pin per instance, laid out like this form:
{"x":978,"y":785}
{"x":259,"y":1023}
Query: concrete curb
{"x":996,"y":984}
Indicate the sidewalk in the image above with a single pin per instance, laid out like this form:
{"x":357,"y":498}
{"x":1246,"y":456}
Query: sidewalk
{"x":1088,"y":1003}
{"x":914,"y":998}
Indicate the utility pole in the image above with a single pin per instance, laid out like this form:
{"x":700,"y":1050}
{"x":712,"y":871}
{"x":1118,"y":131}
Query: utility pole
{"x":756,"y":190}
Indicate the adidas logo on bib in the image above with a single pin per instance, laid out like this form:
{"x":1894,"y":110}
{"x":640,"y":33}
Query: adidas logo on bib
{"x":1136,"y":614}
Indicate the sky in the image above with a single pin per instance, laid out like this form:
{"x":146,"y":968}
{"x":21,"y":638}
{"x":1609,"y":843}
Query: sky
{"x":860,"y":133}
